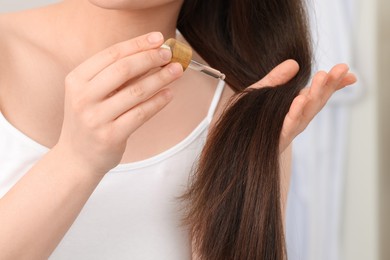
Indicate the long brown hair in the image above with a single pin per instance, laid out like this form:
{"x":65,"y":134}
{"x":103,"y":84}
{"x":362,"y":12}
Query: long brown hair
{"x":234,"y":199}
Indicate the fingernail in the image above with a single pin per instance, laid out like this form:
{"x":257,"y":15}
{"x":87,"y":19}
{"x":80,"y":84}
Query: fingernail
{"x":155,"y":37}
{"x":165,"y":54}
{"x":175,"y":68}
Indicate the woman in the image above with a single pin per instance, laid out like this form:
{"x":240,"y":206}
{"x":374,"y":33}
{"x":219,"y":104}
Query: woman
{"x":85,"y":86}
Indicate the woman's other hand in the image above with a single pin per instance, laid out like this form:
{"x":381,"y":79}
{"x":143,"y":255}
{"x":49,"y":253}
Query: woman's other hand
{"x":311,"y":100}
{"x":112,"y":94}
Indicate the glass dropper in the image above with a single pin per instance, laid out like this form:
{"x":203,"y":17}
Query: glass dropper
{"x":182,"y":53}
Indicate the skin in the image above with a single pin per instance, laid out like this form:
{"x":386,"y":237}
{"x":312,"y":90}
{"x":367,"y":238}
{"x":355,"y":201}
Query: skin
{"x":91,"y":85}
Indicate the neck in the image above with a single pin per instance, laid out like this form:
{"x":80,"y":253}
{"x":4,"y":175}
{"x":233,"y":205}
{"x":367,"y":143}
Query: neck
{"x":87,"y":29}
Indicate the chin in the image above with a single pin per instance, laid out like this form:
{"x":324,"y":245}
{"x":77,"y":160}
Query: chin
{"x":131,"y":4}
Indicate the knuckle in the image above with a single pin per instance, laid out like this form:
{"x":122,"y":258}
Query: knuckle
{"x":122,"y":68}
{"x":79,"y":104}
{"x":137,"y":91}
{"x":139,"y":43}
{"x":163,"y":99}
{"x":114,"y":52}
{"x":320,"y":78}
{"x":152,"y":57}
{"x":167,"y":98}
{"x":140,"y":114}
{"x":310,"y":99}
{"x":164,"y":77}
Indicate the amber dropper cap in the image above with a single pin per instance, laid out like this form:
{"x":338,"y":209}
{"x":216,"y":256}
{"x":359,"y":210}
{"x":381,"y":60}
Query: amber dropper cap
{"x":182,"y":53}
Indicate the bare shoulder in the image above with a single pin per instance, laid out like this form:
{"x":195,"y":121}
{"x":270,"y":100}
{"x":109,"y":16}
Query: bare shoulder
{"x":17,"y":34}
{"x":15,"y":29}
{"x":4,"y":52}
{"x":22,"y":25}
{"x":12,"y":24}
{"x":4,"y":36}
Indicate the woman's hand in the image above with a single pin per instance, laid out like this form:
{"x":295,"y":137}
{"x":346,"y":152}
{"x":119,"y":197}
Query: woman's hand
{"x":112,"y":94}
{"x":311,"y":100}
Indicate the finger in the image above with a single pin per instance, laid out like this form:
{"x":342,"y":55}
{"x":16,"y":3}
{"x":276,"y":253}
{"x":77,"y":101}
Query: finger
{"x":292,"y":124}
{"x":120,"y":72}
{"x":311,"y":100}
{"x":336,"y":75}
{"x":349,"y":79}
{"x":91,"y":67}
{"x":317,"y":89}
{"x":136,"y":93}
{"x":315,"y":95}
{"x":321,"y":90}
{"x":281,"y":74}
{"x":127,"y":123}
{"x":305,"y":91}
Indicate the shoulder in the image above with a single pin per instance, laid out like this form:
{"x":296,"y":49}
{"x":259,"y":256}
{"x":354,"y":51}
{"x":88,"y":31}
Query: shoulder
{"x":19,"y":26}
{"x":4,"y":51}
{"x":26,"y":27}
{"x":15,"y":29}
{"x":13,"y":24}
{"x":5,"y":35}
{"x":16,"y":37}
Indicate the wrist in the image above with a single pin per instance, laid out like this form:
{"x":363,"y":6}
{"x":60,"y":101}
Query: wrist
{"x":69,"y":160}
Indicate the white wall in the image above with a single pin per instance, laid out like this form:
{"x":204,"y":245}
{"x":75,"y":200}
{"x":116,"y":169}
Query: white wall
{"x":360,"y":234}
{"x":384,"y":125}
{"x":15,"y":5}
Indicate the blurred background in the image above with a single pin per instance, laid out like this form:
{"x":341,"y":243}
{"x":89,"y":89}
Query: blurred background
{"x":338,"y":203}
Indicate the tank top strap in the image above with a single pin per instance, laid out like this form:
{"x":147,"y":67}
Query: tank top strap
{"x":215,"y":100}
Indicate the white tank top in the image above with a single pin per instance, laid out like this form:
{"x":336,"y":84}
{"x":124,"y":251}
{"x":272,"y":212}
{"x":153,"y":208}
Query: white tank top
{"x":134,"y":213}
